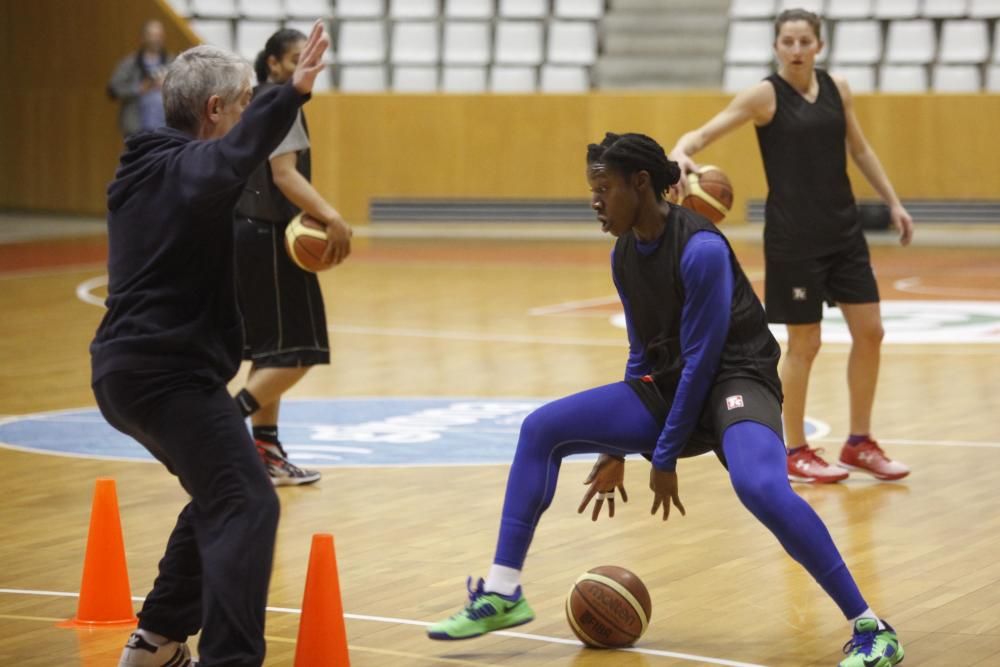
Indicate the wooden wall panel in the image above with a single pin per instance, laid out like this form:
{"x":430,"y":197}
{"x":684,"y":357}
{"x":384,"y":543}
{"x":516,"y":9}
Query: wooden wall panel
{"x":534,"y":146}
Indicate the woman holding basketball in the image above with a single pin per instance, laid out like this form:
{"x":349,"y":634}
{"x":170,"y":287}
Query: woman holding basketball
{"x":283,"y":316}
{"x":701,"y":375}
{"x":814,"y":246}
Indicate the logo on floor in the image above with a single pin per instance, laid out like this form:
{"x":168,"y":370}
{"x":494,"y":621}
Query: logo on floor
{"x":330,"y":432}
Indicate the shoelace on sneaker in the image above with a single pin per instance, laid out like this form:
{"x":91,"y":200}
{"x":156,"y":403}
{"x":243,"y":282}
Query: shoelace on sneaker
{"x":293,"y":469}
{"x":813,"y":455}
{"x":871,"y":445}
{"x":861,"y":640}
{"x":475,"y":593}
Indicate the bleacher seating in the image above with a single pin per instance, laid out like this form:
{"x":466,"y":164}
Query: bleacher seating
{"x":463,"y":79}
{"x":838,"y":10}
{"x":956,"y":79}
{"x":911,"y":42}
{"x":217,"y":9}
{"x":361,"y":42}
{"x":857,"y":43}
{"x":944,"y":9}
{"x":357,"y":9}
{"x":251,"y":36}
{"x":984,"y":9}
{"x":523,"y":9}
{"x":564,"y":79}
{"x":579,"y":9}
{"x":512,"y":79}
{"x":413,"y":9}
{"x":815,"y":6}
{"x":308,"y":9}
{"x":217,"y":32}
{"x":903,"y":79}
{"x":964,"y":42}
{"x":993,"y":79}
{"x":262,"y":9}
{"x":362,"y":78}
{"x":861,"y":78}
{"x":752,"y":9}
{"x":897,"y":9}
{"x":572,"y":42}
{"x":468,"y":9}
{"x":415,"y":42}
{"x":749,"y":42}
{"x":737,"y":77}
{"x":414,"y":79}
{"x":518,"y":43}
{"x":467,"y":43}
{"x":553,"y":45}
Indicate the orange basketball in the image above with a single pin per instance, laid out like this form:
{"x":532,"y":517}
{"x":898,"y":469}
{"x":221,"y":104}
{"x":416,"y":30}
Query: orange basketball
{"x":305,"y":241}
{"x":709,"y":193}
{"x":608,"y":607}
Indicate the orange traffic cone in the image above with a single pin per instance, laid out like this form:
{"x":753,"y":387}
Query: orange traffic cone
{"x":322,"y":638}
{"x":105,"y":596}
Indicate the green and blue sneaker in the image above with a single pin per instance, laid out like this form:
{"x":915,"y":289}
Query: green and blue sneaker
{"x":871,"y":647}
{"x":485,"y":612}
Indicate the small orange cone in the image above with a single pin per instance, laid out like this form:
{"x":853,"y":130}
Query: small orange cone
{"x":105,"y":596}
{"x":322,"y":638}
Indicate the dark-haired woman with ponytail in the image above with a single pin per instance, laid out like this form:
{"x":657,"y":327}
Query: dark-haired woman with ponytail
{"x":702,"y":375}
{"x":283,"y":316}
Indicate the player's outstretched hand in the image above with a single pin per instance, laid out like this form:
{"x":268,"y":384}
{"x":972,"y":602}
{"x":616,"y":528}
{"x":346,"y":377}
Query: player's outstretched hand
{"x":663,"y":484}
{"x":311,"y":59}
{"x":607,"y":475}
{"x":338,"y":240}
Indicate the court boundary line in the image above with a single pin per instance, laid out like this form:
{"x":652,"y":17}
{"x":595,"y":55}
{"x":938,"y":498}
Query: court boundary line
{"x":406,"y":621}
{"x":965,"y":348}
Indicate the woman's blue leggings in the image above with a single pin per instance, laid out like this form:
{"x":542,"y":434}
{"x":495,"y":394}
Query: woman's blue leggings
{"x":613,"y":420}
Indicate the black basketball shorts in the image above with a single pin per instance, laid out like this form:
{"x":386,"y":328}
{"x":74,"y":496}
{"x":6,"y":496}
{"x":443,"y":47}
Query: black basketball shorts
{"x":729,"y":402}
{"x":794,"y":291}
{"x":284,"y":321}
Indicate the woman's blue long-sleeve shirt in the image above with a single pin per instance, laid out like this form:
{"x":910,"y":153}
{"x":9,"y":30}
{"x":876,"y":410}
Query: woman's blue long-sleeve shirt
{"x":707,"y":277}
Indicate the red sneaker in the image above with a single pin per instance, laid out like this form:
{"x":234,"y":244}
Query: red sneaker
{"x":805,"y":465}
{"x":868,"y":457}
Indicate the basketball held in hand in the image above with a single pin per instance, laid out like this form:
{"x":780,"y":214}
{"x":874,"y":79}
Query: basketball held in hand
{"x":709,"y":193}
{"x":305,"y":241}
{"x":608,"y":607}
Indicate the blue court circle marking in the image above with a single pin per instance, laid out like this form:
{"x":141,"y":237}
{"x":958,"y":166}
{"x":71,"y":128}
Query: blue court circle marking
{"x":325,"y":432}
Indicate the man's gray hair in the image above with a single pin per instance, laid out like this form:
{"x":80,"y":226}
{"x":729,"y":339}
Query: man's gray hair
{"x":197,"y":74}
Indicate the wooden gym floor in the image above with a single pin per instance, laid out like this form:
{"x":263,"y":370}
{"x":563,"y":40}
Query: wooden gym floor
{"x":493,"y":318}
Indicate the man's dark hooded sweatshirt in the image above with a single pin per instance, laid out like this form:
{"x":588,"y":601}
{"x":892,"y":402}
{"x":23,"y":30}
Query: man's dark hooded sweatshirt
{"x":171,"y":294}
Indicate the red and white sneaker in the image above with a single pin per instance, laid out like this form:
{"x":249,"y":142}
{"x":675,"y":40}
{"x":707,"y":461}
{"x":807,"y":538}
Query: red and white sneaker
{"x":806,"y":465}
{"x":868,"y":457}
{"x":282,"y":471}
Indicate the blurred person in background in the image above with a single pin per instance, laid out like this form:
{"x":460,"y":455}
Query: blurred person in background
{"x":137,"y":81}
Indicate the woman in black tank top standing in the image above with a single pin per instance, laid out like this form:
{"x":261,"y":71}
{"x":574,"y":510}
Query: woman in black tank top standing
{"x":813,"y":243}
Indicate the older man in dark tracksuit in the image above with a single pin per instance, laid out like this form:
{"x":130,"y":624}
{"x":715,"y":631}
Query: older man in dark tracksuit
{"x":172,"y":338}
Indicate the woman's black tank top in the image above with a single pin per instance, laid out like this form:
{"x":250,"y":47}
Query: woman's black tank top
{"x":810,"y":208}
